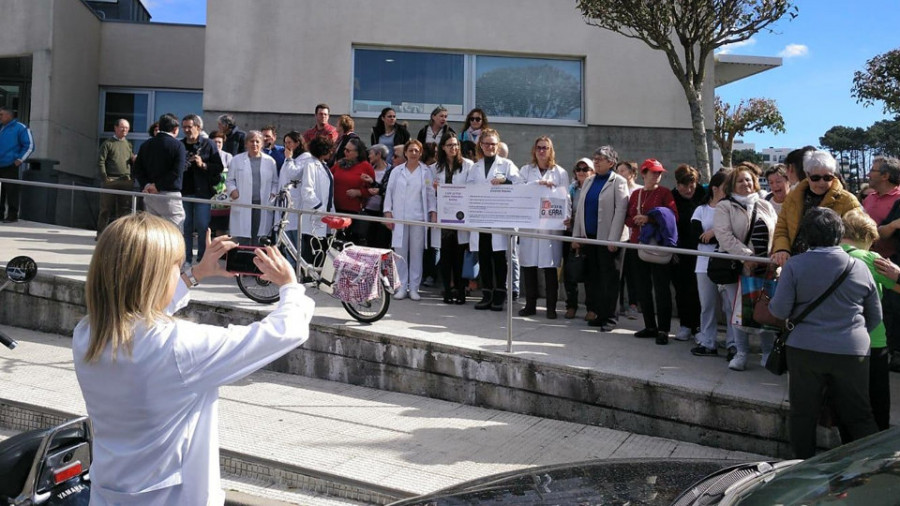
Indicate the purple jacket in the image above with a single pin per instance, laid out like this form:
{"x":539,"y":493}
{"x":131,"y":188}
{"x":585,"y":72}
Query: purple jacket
{"x":662,"y":226}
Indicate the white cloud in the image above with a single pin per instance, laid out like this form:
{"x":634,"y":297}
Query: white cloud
{"x":794,"y":50}
{"x":729,"y":48}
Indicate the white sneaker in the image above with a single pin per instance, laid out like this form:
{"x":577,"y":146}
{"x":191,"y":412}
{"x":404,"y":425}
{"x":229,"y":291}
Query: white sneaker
{"x":683,"y":334}
{"x":400,"y":294}
{"x":739,"y":362}
{"x":414,"y":295}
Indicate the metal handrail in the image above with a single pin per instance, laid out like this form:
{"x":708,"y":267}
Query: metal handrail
{"x":510,"y":233}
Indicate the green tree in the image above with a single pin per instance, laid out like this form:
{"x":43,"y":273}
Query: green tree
{"x":697,"y":28}
{"x":885,"y":137}
{"x":879,"y":82}
{"x":754,"y":115}
{"x":745,"y":155}
{"x":851,"y":145}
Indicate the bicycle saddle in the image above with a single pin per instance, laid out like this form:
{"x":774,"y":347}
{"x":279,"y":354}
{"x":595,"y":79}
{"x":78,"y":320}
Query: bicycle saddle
{"x":336,"y":223}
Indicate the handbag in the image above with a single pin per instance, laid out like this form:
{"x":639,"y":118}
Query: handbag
{"x":777,"y":361}
{"x":652,"y":256}
{"x":575,"y":267}
{"x":725,"y":271}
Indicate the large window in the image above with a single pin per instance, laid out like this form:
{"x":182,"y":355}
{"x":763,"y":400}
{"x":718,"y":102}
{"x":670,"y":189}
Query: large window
{"x":512,"y":89}
{"x":141,"y":107}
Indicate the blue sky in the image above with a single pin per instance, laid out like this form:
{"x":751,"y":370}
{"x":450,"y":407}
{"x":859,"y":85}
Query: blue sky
{"x":821,"y":48}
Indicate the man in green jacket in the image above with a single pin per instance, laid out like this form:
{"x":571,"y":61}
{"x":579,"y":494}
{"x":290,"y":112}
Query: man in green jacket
{"x":116,"y":157}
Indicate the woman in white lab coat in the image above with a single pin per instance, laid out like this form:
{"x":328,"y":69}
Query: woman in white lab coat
{"x":295,"y":159}
{"x":451,"y":168}
{"x":491,"y":169}
{"x":252,"y":179}
{"x":543,"y":254}
{"x":150,"y":382}
{"x":410,"y":196}
{"x":316,"y":194}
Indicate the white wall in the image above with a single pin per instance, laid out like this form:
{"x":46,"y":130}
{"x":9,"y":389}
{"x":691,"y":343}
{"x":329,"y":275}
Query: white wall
{"x":284,"y":56}
{"x":152,"y":55}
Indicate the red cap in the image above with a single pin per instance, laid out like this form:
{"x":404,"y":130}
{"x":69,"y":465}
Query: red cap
{"x":653,"y":165}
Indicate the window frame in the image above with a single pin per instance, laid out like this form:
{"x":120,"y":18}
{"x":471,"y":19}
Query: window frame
{"x":469,"y":94}
{"x":137,"y":135}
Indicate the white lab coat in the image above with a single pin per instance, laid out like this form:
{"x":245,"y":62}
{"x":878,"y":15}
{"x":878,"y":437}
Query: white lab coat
{"x":397,"y":198}
{"x":476,"y":176}
{"x":293,"y":169}
{"x":155,"y":414}
{"x":316,"y":192}
{"x":462,"y":237}
{"x":240,"y":178}
{"x":543,"y":253}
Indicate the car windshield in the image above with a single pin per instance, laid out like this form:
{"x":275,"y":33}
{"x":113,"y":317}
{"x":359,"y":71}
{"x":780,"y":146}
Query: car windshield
{"x":866,"y":472}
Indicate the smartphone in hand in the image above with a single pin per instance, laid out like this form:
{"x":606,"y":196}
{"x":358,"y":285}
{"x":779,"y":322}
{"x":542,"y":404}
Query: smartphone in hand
{"x":239,"y":260}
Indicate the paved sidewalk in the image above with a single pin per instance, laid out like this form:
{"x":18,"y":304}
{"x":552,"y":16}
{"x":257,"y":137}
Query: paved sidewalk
{"x":407,"y":443}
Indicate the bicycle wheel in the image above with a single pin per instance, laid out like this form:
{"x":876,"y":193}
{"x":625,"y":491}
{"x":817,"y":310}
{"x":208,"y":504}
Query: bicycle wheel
{"x":257,"y":289}
{"x":372,"y":310}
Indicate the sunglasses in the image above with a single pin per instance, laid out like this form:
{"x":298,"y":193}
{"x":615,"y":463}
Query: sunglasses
{"x":816,"y":178}
{"x":541,"y":148}
{"x":475,"y":118}
{"x":582,"y":169}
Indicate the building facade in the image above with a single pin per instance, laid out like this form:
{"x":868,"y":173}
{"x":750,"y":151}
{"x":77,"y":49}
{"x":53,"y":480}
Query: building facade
{"x":533,"y":65}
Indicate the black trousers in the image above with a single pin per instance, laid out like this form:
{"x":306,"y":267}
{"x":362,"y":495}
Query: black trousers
{"x":602,"y":283}
{"x":687,"y":297}
{"x":9,"y":193}
{"x":653,"y":283}
{"x":879,"y":391}
{"x":629,"y":280}
{"x":890,"y":310}
{"x":379,"y":236}
{"x":492,"y":267}
{"x":551,"y":283}
{"x":451,"y":263}
{"x":847,"y":379}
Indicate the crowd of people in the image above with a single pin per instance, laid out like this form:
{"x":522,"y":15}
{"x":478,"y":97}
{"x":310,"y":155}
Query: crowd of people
{"x":795,"y":243}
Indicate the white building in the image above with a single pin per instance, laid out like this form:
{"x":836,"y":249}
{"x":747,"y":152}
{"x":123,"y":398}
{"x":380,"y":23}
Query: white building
{"x":534,"y":66}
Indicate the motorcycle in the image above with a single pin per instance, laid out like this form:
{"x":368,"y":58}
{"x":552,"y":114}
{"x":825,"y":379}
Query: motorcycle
{"x":48,"y":466}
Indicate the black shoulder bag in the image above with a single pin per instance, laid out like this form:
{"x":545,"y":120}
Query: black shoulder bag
{"x":777,"y":361}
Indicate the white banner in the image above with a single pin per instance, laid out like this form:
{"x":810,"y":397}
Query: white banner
{"x":502,"y":206}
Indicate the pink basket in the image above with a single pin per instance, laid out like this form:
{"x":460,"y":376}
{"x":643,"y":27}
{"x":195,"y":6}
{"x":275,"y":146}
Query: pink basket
{"x":358,"y":271}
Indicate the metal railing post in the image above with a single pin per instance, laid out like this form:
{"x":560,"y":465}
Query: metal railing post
{"x":134,"y":204}
{"x":510,"y":241}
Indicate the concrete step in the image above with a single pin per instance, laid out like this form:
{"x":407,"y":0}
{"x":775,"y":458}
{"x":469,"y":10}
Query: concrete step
{"x":344,"y":442}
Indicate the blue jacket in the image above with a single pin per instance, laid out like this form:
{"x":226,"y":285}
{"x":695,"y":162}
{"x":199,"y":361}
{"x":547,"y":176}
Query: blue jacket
{"x":160,"y":161}
{"x":16,"y":143}
{"x":662,"y":226}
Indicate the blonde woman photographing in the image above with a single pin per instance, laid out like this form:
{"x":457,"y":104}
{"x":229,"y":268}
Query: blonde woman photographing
{"x":151,"y":382}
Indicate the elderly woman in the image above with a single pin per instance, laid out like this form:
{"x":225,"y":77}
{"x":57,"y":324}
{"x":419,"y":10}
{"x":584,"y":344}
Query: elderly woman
{"x":688,"y":196}
{"x":742,"y":214}
{"x":860,"y":231}
{"x":653,"y":279}
{"x":451,"y":168}
{"x":830,"y":346}
{"x":410,"y":196}
{"x":600,"y":214}
{"x":542,"y":254}
{"x":821,"y":188}
{"x":584,"y":168}
{"x":252,"y":179}
{"x":779,"y":187}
